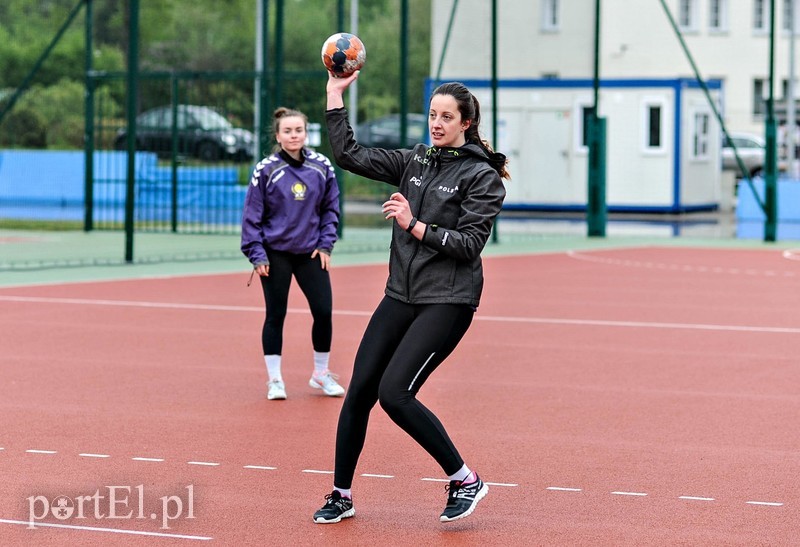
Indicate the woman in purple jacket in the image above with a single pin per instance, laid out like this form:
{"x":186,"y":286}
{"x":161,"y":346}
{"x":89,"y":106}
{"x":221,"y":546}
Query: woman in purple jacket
{"x":289,"y":224}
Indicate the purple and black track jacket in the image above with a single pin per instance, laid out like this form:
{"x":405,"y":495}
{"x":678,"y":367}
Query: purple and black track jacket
{"x":291,"y":206}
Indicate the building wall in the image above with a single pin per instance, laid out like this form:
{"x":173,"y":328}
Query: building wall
{"x":637,"y":41}
{"x":540,"y":129}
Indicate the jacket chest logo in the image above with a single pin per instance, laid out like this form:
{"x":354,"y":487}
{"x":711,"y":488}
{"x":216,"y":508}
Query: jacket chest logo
{"x":448,"y":190}
{"x":416,"y":181}
{"x":299,"y":191}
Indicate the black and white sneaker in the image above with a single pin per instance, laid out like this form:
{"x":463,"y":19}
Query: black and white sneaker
{"x":335,"y":509}
{"x":462,"y":498}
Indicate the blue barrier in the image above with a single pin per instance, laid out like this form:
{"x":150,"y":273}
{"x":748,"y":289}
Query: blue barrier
{"x":49,"y":185}
{"x":750,"y":218}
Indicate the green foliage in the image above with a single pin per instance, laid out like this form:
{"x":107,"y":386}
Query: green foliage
{"x":196,"y":35}
{"x":23,"y":128}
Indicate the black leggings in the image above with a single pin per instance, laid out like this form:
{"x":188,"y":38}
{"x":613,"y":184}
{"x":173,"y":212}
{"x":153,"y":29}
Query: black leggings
{"x":316,"y":286}
{"x":402,"y":346}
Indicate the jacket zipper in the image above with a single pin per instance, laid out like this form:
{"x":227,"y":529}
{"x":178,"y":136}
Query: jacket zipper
{"x":423,"y":190}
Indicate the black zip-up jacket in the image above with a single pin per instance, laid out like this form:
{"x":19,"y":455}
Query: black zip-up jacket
{"x":455,"y":191}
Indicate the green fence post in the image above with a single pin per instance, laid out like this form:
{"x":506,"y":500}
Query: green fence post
{"x":133,"y":96}
{"x":88,"y":124}
{"x":596,"y":203}
{"x":174,"y":159}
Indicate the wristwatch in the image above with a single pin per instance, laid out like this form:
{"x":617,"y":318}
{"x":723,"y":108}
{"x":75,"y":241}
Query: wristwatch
{"x":411,"y":224}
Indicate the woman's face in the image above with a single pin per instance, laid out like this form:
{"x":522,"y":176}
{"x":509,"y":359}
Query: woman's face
{"x":444,"y":122}
{"x":291,"y":133}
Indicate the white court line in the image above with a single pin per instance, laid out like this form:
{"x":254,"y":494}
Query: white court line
{"x":695,"y":498}
{"x":564,"y":489}
{"x":87,"y":455}
{"x":503,"y":319}
{"x":260,"y":467}
{"x":791,"y":254}
{"x":511,"y":484}
{"x":34,"y":451}
{"x":769,"y":503}
{"x":579,"y":255}
{"x":141,"y":459}
{"x":110,"y":530}
{"x":641,"y":494}
{"x":317,"y":471}
{"x":375,"y":476}
{"x":210,"y":464}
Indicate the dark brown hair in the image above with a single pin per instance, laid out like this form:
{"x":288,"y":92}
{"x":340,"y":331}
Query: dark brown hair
{"x":470,"y":110}
{"x":283,"y":112}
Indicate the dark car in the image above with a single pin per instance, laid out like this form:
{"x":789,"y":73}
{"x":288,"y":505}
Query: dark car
{"x":201,"y":133}
{"x":385,"y":132}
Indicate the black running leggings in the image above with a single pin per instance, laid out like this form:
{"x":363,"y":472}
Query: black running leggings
{"x":402,"y":346}
{"x":316,"y":286}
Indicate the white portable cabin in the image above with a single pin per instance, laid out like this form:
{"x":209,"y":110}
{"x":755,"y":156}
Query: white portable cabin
{"x":663,"y":142}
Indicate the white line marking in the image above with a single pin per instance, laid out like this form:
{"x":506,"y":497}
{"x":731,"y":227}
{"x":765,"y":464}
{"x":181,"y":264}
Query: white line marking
{"x":211,"y":464}
{"x":509,"y":484}
{"x":87,"y":455}
{"x":642,"y":324}
{"x":504,"y":319}
{"x":791,"y":254}
{"x":578,"y":255}
{"x":629,"y":493}
{"x":696,"y":498}
{"x":434,"y":480}
{"x":41,"y":451}
{"x":564,"y":489}
{"x":260,"y":467}
{"x":140,"y":459}
{"x":317,"y":471}
{"x":373,"y":475}
{"x":111,"y":530}
{"x":770,"y":503}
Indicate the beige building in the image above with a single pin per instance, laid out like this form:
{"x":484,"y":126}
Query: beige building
{"x":729,"y":40}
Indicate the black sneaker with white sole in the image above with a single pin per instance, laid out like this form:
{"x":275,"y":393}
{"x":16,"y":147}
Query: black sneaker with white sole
{"x":462,"y":498}
{"x":335,"y":509}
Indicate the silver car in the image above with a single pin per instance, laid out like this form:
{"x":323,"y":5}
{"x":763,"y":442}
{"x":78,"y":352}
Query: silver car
{"x":752,"y":150}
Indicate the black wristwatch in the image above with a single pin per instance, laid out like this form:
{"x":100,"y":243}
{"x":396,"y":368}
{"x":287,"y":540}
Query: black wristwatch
{"x":411,"y":224}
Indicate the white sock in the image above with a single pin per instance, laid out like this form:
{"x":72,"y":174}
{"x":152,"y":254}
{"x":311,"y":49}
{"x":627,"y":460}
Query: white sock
{"x":461,"y":475}
{"x":321,"y":359}
{"x":273,"y":367}
{"x":345,"y":492}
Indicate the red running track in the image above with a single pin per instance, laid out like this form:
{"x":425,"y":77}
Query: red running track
{"x":643,"y":396}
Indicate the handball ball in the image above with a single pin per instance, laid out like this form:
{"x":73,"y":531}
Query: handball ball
{"x":343,"y":54}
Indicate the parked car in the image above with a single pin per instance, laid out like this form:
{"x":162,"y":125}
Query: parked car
{"x":385,"y":132}
{"x":752,"y":150}
{"x":202,"y":133}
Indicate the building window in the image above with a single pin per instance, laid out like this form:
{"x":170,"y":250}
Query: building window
{"x":550,"y":15}
{"x":687,"y":15}
{"x":718,"y":15}
{"x":759,"y":97}
{"x":700,"y":134}
{"x":760,"y":16}
{"x":652,"y":124}
{"x":586,"y":113}
{"x":787,"y":16}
